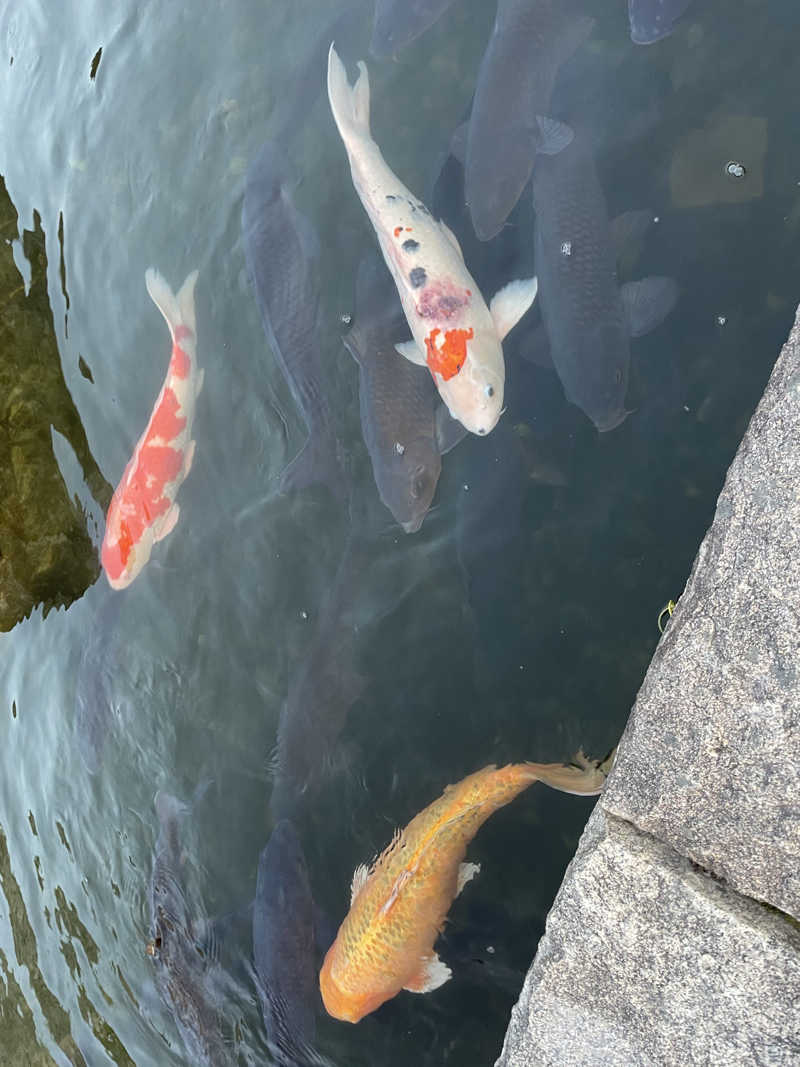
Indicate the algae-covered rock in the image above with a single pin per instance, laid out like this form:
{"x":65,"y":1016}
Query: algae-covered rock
{"x":46,"y":555}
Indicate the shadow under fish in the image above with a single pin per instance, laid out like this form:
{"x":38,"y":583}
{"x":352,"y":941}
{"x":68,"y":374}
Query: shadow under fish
{"x":406,"y":428}
{"x":510,"y":120}
{"x":322,"y":690}
{"x":588,"y":316}
{"x":285,"y":972}
{"x":189,"y":981}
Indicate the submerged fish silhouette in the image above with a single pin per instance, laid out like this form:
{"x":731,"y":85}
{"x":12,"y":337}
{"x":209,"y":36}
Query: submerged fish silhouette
{"x":510,"y":113}
{"x":588,"y":316}
{"x":185,"y":976}
{"x":398,"y":906}
{"x":405,"y":426}
{"x":283,"y":949}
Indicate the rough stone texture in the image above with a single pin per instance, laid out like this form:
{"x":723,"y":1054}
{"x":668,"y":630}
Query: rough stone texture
{"x":710,"y":759}
{"x":648,"y":960}
{"x":46,"y":555}
{"x":654,"y":951}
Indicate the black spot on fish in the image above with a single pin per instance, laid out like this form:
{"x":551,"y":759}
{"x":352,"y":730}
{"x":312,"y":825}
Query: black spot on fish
{"x":418,"y":277}
{"x":391,"y":196}
{"x":410,"y":245}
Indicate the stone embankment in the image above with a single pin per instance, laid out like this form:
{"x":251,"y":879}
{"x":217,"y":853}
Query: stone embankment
{"x":675,"y":936}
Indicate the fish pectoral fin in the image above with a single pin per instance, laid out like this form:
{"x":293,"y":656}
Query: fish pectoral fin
{"x":510,"y":303}
{"x":458,"y":142}
{"x":451,"y":237}
{"x":201,"y":377}
{"x":168,"y":523}
{"x":360,"y":876}
{"x":648,"y":302}
{"x":412,"y":352}
{"x":629,"y":227}
{"x":449,"y":431}
{"x":466,"y":872}
{"x":188,"y":458}
{"x":554,"y":135}
{"x":431,"y":974}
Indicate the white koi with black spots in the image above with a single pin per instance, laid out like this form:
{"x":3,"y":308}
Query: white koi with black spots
{"x":455,"y":334}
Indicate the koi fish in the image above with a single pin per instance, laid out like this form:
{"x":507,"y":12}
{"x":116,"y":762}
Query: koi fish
{"x":455,"y":334}
{"x":399,"y":905}
{"x":143,"y":509}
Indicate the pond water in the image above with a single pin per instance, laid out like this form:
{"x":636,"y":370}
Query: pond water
{"x":516,"y":624}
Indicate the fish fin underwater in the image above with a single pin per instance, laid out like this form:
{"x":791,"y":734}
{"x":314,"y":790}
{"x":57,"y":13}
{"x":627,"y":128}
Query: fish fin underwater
{"x":554,"y":136}
{"x":177,"y":309}
{"x":168,"y":523}
{"x":411,"y":351}
{"x":349,"y":103}
{"x":317,"y":463}
{"x":449,"y":431}
{"x":466,"y":872}
{"x":647,"y":303}
{"x":511,"y":302}
{"x":360,"y":876}
{"x":432,"y":974}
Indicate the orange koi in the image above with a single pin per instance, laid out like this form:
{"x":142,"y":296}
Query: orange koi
{"x":399,"y":905}
{"x":143,"y":509}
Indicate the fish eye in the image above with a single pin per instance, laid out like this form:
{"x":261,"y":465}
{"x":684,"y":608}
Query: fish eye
{"x":489,"y":390}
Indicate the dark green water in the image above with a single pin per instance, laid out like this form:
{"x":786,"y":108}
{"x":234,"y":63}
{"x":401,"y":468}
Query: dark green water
{"x":517,"y":624}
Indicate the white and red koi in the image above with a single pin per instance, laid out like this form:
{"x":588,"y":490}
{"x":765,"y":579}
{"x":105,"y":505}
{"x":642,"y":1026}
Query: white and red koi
{"x":143,"y":509}
{"x":455,"y":334}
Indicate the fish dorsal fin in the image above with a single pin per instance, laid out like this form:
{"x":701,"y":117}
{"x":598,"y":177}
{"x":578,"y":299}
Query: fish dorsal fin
{"x":360,"y":876}
{"x":430,"y":974}
{"x":451,"y":237}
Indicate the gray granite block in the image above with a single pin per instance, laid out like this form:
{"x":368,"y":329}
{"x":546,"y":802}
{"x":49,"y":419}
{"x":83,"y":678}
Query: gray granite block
{"x":647,"y":959}
{"x":710,"y":759}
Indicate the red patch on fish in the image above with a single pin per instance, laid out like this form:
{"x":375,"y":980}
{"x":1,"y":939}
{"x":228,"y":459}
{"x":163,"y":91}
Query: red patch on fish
{"x":140,"y":499}
{"x":442,"y":300}
{"x":399,"y":229}
{"x":179,"y":364}
{"x":447,"y":359}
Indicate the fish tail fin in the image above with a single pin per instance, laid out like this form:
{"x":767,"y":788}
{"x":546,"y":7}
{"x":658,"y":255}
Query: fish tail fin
{"x":317,"y":463}
{"x":586,"y":778}
{"x":178,"y":310}
{"x":349,"y":103}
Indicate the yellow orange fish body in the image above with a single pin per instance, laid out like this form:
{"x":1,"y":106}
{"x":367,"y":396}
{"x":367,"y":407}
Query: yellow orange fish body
{"x":398,"y":908}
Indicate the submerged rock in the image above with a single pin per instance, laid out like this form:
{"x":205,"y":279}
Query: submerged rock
{"x":46,"y":555}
